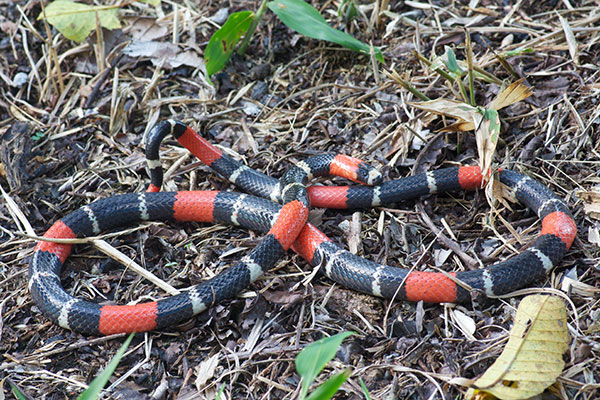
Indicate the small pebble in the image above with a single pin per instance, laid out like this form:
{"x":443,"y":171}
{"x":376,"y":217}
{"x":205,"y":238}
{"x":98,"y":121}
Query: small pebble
{"x":220,"y":16}
{"x":20,"y":79}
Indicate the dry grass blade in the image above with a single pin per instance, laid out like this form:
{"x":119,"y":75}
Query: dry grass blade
{"x":469,"y":48}
{"x":18,"y":217}
{"x":591,"y":202}
{"x":132,"y":265}
{"x":571,"y":41}
{"x":405,"y":84}
{"x":449,"y":108}
{"x":514,"y":93}
{"x":487,"y":134}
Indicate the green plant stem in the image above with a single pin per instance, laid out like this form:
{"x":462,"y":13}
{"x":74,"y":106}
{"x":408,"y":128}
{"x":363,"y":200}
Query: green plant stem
{"x":246,"y":42}
{"x":486,"y":76}
{"x":444,"y":74}
{"x":507,"y":66}
{"x":463,"y":90}
{"x":406,"y":85}
{"x":471,"y":91}
{"x":416,"y":92}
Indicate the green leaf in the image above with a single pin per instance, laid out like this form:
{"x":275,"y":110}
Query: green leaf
{"x":364,"y":389}
{"x":517,"y":52}
{"x":17,"y":392}
{"x":311,"y":361}
{"x":347,"y":10}
{"x":96,"y":386}
{"x":220,"y":392}
{"x":37,"y":135}
{"x":304,"y":19}
{"x":221,"y":44}
{"x":329,"y":387}
{"x":154,"y":3}
{"x":75,"y":20}
{"x":491,"y":115}
{"x":451,"y":64}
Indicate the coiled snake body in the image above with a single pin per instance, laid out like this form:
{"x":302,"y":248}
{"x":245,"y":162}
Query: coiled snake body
{"x":285,"y":226}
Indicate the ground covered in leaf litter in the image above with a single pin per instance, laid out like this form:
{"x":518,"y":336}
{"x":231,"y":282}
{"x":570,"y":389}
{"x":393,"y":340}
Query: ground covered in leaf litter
{"x":66,"y":143}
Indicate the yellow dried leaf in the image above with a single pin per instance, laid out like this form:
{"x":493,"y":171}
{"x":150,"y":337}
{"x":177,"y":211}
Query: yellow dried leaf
{"x":514,"y":93}
{"x":532,"y":358}
{"x":501,"y":192}
{"x":459,"y":126}
{"x":450,"y":108}
{"x":76,"y":20}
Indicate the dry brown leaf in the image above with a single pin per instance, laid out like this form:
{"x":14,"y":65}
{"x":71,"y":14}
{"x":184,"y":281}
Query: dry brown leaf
{"x":146,"y":29}
{"x":514,"y":93}
{"x":464,"y":113}
{"x":575,"y":287}
{"x":459,"y":126}
{"x":449,"y":108}
{"x":532,"y":358}
{"x":591,"y":202}
{"x":502,"y":193}
{"x":486,"y":135}
{"x":161,"y":53}
{"x":205,"y":371}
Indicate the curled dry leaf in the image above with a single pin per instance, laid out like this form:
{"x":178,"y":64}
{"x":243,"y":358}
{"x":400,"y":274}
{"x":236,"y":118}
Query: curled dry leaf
{"x":447,"y":107}
{"x":514,"y":93}
{"x":464,"y":113}
{"x":575,"y":287}
{"x":532,"y":358}
{"x":500,"y":192}
{"x":591,"y":202}
{"x":161,"y":53}
{"x":486,"y":135}
{"x":465,"y":323}
{"x":205,"y":371}
{"x":485,"y":122}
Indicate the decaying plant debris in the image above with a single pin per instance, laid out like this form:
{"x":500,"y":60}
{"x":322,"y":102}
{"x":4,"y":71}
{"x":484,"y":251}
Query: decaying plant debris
{"x":73,"y":134}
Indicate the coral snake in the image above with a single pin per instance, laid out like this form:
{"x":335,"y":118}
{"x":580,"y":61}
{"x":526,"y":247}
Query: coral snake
{"x":285,"y":226}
